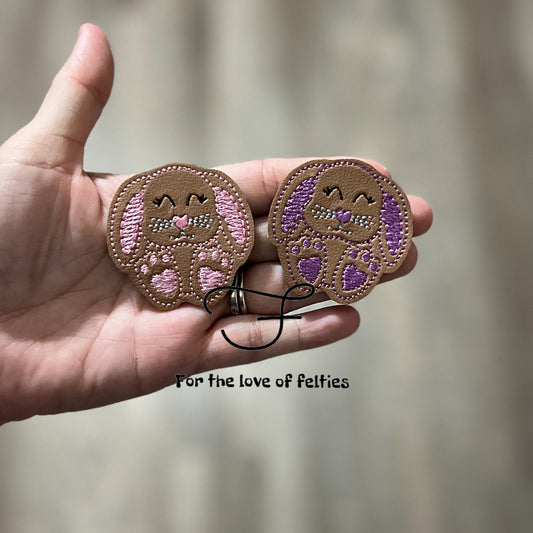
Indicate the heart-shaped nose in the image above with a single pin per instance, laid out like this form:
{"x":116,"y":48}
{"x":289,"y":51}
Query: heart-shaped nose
{"x":343,"y":216}
{"x":181,"y":222}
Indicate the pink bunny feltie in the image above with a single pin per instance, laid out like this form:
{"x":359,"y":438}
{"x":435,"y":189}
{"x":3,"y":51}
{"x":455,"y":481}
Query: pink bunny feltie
{"x":179,"y":231}
{"x":340,"y":225}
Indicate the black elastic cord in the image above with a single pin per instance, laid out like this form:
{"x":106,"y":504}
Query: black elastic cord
{"x":281,"y":317}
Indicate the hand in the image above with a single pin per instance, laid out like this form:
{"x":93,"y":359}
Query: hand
{"x":74,"y":332}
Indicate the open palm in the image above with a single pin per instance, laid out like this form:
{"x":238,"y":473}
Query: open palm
{"x":74,"y":332}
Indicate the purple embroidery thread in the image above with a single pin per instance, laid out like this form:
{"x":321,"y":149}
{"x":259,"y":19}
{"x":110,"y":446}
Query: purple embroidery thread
{"x":352,"y":278}
{"x":392,"y":237}
{"x":310,"y":268}
{"x":391,"y":215}
{"x":296,"y":204}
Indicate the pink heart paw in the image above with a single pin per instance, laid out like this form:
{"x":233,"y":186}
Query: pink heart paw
{"x":209,"y":278}
{"x":166,"y":283}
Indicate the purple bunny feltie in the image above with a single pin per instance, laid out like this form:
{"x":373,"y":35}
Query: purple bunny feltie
{"x":340,"y":225}
{"x":180,"y":231}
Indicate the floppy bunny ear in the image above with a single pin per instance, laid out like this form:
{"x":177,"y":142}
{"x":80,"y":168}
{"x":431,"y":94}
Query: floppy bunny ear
{"x":396,"y":228}
{"x":292,"y":198}
{"x":229,"y":210}
{"x":296,"y":204}
{"x":125,"y":219}
{"x":236,"y":214}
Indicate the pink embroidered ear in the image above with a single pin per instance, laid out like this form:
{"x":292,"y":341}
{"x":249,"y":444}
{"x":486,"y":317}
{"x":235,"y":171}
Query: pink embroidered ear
{"x":227,"y":208}
{"x":130,"y":225}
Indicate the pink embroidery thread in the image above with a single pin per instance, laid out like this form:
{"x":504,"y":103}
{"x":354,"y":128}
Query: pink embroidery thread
{"x":130,"y":223}
{"x":209,"y":278}
{"x":231,"y":209}
{"x":227,"y":208}
{"x":166,"y":282}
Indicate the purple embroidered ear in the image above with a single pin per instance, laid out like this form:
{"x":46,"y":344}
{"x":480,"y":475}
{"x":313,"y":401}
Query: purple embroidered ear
{"x":296,"y":204}
{"x":396,"y":229}
{"x":392,"y":217}
{"x":227,"y":208}
{"x":130,"y":225}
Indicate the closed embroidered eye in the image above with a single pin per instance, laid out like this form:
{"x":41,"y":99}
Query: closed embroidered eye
{"x":369,"y":199}
{"x":159,"y":201}
{"x":199,"y":197}
{"x":330,"y":190}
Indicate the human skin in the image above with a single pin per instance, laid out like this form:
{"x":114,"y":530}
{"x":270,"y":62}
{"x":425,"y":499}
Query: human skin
{"x":74,"y":331}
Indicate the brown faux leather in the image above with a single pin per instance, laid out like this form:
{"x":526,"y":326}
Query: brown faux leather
{"x":179,"y":231}
{"x":340,"y":225}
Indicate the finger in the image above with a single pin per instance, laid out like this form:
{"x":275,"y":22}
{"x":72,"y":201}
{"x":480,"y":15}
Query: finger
{"x":259,"y":180}
{"x":76,"y":98}
{"x":315,"y":328}
{"x":107,"y":185}
{"x":267,"y":278}
{"x":265,"y":251}
{"x":422,"y":215}
{"x":407,"y":266}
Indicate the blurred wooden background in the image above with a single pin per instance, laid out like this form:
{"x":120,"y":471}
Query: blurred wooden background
{"x":435,"y":433}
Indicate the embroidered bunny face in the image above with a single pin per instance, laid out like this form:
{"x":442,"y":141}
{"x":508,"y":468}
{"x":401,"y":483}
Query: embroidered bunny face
{"x":348,"y":207}
{"x":340,"y":225}
{"x":178,"y":232}
{"x":174,"y":214}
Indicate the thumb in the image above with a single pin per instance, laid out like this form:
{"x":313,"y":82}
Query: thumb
{"x":75,"y":99}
